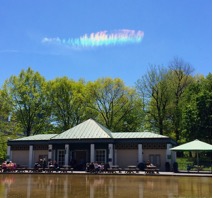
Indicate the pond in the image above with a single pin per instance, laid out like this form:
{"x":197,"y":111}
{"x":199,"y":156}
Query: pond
{"x":109,"y":186}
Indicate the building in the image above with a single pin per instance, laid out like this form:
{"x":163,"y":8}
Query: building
{"x":89,"y":142}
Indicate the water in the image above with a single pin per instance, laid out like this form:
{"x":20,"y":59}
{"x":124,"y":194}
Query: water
{"x":109,"y":186}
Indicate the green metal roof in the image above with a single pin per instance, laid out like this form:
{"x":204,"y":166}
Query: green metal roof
{"x":36,"y":137}
{"x":89,"y":129}
{"x":123,"y":135}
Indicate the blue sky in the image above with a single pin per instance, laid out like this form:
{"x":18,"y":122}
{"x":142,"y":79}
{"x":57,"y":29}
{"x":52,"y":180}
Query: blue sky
{"x":166,"y":29}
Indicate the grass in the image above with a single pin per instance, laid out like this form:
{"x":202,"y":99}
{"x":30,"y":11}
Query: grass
{"x":185,"y":161}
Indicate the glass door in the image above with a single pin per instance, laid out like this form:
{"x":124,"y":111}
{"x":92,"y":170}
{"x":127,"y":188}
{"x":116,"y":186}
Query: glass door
{"x":61,"y":157}
{"x":155,"y":160}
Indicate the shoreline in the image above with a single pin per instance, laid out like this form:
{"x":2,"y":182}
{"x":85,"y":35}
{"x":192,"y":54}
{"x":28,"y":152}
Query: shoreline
{"x":140,"y":173}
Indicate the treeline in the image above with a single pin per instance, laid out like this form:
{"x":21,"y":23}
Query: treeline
{"x":166,"y":100}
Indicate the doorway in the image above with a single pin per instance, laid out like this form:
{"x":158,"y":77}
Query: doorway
{"x":155,"y":159}
{"x":80,"y":159}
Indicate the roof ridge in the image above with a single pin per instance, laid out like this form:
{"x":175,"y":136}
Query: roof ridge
{"x":87,"y":129}
{"x":109,"y":132}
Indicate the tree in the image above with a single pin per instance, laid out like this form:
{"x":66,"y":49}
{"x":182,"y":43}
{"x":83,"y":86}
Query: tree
{"x":67,"y":99}
{"x":197,"y":112}
{"x":25,"y":94}
{"x":116,"y":106}
{"x":154,"y":90}
{"x":180,"y":78}
{"x":4,"y":128}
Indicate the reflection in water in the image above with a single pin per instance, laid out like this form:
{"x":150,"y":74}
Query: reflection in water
{"x":110,"y":186}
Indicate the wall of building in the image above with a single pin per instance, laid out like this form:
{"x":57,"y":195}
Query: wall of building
{"x":149,"y":154}
{"x":39,"y":154}
{"x":126,"y":157}
{"x":20,"y":157}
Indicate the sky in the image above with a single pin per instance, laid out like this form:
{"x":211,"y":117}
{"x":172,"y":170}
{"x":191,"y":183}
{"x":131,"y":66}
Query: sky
{"x":91,"y":39}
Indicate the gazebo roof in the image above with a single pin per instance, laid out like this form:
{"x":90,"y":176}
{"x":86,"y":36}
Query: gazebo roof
{"x":195,"y":145}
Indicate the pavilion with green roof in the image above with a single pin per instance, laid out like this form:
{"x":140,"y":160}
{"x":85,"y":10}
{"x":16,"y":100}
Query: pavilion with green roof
{"x":90,"y":141}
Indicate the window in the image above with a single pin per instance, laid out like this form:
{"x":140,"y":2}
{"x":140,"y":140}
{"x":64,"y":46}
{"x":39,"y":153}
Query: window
{"x":61,"y":157}
{"x":101,"y":156}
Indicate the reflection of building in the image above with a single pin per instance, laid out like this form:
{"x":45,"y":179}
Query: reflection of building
{"x":92,"y":186}
{"x":89,"y":142}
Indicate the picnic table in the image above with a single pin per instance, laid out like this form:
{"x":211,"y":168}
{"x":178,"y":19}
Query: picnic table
{"x":194,"y":167}
{"x":114,"y":169}
{"x":66,"y":168}
{"x":131,"y":169}
{"x":8,"y":167}
{"x":151,"y":169}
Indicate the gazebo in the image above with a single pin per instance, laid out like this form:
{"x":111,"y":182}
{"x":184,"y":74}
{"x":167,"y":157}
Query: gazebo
{"x":194,"y":146}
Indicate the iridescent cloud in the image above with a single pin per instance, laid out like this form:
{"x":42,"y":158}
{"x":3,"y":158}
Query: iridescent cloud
{"x":103,"y":38}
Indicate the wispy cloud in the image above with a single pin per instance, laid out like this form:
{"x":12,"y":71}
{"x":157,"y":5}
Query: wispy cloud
{"x":98,"y":39}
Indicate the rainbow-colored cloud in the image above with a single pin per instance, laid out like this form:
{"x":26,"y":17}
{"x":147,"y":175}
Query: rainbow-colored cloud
{"x":103,"y":38}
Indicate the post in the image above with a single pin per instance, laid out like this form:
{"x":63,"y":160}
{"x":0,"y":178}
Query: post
{"x":8,"y":153}
{"x":50,"y":147}
{"x":92,"y":152}
{"x":66,"y":154}
{"x":30,"y":156}
{"x":168,"y":156}
{"x":110,"y":156}
{"x":116,"y":156}
{"x":140,"y":153}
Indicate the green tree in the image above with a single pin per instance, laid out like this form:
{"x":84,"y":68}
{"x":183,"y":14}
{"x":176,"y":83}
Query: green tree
{"x":180,"y":78}
{"x":25,"y":94}
{"x":153,"y":87}
{"x":67,"y":99}
{"x":197,"y":112}
{"x":4,"y":129}
{"x":116,"y":106}
{"x":8,"y":126}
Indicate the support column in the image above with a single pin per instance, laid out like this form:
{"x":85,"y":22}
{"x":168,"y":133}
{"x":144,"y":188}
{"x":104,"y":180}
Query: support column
{"x":140,"y":153}
{"x":174,"y":155}
{"x":67,"y":150}
{"x":168,"y":153}
{"x":8,"y":153}
{"x":50,"y":148}
{"x":110,"y":155}
{"x":92,"y":152}
{"x":30,"y":156}
{"x":116,"y":157}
